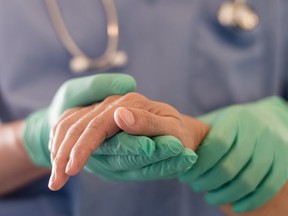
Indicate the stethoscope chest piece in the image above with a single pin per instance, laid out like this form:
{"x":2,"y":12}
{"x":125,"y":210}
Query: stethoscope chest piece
{"x":80,"y":64}
{"x":238,"y":14}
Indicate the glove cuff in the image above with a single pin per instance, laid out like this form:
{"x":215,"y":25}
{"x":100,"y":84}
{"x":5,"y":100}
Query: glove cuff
{"x":36,"y":138}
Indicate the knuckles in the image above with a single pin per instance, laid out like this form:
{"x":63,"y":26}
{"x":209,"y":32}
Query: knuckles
{"x":133,"y":95}
{"x":76,"y":129}
{"x":63,"y":125}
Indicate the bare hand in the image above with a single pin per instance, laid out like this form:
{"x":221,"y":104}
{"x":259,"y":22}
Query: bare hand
{"x":81,"y":130}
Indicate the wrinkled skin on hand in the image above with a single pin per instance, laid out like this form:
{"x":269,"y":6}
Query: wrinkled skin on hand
{"x":82,"y":130}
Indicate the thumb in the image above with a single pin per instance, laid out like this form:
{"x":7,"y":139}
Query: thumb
{"x":141,"y":122}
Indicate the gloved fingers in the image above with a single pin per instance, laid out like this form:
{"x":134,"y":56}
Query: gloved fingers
{"x":165,"y":169}
{"x":230,"y":164}
{"x":169,"y":168}
{"x":166,"y":147}
{"x":268,"y":188}
{"x":216,"y":144}
{"x":88,"y":90}
{"x":246,"y":182}
{"x":123,"y":144}
{"x":212,"y":117}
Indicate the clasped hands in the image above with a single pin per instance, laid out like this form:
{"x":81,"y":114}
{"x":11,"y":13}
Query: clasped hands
{"x":242,"y":161}
{"x":80,"y":131}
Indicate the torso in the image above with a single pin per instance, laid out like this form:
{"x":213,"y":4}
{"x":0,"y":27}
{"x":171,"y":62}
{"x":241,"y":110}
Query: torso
{"x":178,"y":54}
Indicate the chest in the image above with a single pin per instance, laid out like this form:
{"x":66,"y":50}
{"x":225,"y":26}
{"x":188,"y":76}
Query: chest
{"x":178,"y":52}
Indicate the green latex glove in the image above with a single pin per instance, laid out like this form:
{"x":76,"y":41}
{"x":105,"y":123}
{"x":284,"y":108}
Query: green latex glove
{"x":243,"y":160}
{"x":169,"y":160}
{"x":76,"y":92}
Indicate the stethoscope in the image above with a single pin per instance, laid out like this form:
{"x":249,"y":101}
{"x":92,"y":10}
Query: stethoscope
{"x":80,"y":62}
{"x":234,"y":13}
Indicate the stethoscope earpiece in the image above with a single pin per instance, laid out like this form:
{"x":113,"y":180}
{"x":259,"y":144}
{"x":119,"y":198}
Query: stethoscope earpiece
{"x":238,"y":14}
{"x":79,"y":64}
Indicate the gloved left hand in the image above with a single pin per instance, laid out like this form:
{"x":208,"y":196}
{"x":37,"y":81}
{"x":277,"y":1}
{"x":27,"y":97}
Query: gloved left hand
{"x":243,"y":161}
{"x":76,"y":92}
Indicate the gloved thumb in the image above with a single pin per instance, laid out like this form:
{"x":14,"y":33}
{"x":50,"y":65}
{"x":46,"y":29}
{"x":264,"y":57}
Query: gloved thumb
{"x":89,"y":90}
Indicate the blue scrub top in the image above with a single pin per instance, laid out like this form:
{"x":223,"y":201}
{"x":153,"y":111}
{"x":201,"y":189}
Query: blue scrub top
{"x":178,"y":53}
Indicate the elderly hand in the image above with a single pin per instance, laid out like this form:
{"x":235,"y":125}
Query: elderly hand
{"x":82,"y":130}
{"x":75,"y":92}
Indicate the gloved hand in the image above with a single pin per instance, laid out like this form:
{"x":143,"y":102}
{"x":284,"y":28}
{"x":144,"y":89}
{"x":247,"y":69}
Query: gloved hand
{"x":243,"y":161}
{"x":167,"y":159}
{"x":76,"y":92}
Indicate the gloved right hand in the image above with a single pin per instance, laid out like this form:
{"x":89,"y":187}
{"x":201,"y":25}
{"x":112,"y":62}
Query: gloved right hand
{"x":166,"y":159}
{"x":75,"y":92}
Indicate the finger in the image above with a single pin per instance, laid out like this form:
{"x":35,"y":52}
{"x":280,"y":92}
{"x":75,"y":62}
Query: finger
{"x":123,"y":144}
{"x":58,"y":176}
{"x":76,"y":124}
{"x":165,"y":169}
{"x":166,"y":147}
{"x":211,"y":117}
{"x":98,"y":129}
{"x":60,"y":130}
{"x":139,"y":121}
{"x":54,"y":128}
{"x":231,"y":163}
{"x":216,"y":144}
{"x":63,"y":126}
{"x":74,"y":128}
{"x":270,"y":186}
{"x":247,"y":181}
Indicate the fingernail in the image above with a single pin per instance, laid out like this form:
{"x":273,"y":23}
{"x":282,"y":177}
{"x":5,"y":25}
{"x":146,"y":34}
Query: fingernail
{"x":51,"y":181}
{"x":127,"y":116}
{"x":69,"y":166}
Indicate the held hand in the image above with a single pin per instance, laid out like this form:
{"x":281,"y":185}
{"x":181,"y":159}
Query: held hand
{"x":82,"y":130}
{"x":76,"y":92}
{"x":243,"y":160}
